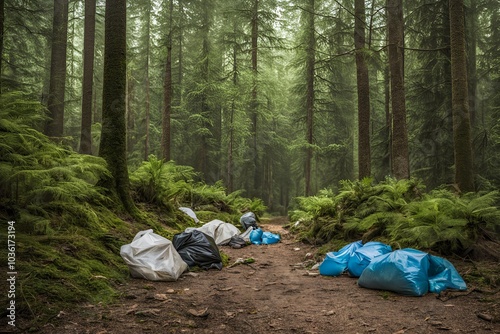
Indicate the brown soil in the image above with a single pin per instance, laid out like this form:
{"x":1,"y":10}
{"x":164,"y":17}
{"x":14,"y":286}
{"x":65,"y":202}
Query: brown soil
{"x":278,"y":294}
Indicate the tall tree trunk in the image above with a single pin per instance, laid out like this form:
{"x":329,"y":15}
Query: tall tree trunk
{"x":230,"y":158}
{"x":130,"y":115}
{"x":254,"y":104}
{"x":471,"y":26}
{"x":464,"y":177}
{"x":400,"y":158}
{"x":113,"y":146}
{"x":387,"y":163}
{"x":207,"y":111}
{"x":167,"y":97}
{"x":148,"y":98}
{"x":180,"y":54}
{"x":310,"y":66}
{"x":88,"y":76}
{"x":55,"y":103}
{"x":363,"y":81}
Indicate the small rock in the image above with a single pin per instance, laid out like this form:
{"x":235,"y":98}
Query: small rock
{"x":199,"y":313}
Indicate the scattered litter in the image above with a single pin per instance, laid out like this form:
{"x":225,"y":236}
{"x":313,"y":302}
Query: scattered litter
{"x":241,"y":260}
{"x":190,"y":213}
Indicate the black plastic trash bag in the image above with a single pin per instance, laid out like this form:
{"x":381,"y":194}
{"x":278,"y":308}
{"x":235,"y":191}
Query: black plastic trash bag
{"x":248,"y":220}
{"x":198,"y":249}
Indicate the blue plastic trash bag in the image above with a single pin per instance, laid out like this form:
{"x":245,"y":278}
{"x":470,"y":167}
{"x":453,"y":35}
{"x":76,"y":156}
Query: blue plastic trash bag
{"x":269,"y":238}
{"x":256,"y":236}
{"x":402,"y":271}
{"x":362,"y":257}
{"x":443,"y":275}
{"x":335,"y":263}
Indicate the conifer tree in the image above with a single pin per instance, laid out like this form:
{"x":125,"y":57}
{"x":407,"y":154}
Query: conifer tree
{"x":464,"y":177}
{"x":400,"y":157}
{"x":363,"y":82}
{"x":88,"y":76}
{"x":113,"y":146}
{"x":55,"y":103}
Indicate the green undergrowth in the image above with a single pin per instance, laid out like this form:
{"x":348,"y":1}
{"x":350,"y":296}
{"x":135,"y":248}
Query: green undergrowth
{"x":402,"y":214}
{"x":68,"y":230}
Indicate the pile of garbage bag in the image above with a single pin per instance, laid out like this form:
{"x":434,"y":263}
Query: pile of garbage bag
{"x":153,"y":257}
{"x":406,"y":271}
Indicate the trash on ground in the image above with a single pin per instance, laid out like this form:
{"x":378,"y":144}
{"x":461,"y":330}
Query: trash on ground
{"x":237,"y":242}
{"x":198,"y":249}
{"x":153,"y":257}
{"x":220,"y":231}
{"x":362,"y":256}
{"x":406,"y":271}
{"x":335,"y":263}
{"x":258,"y":237}
{"x":411,"y":272}
{"x":190,"y":213}
{"x":248,"y":220}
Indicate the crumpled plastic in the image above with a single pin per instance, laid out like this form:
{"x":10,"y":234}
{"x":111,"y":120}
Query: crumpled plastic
{"x":335,"y":263}
{"x":198,"y":249}
{"x":258,"y":237}
{"x":153,"y":257}
{"x":364,"y":255}
{"x":222,"y":232}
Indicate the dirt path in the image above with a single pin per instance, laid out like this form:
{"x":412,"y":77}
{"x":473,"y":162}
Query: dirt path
{"x":274,"y":294}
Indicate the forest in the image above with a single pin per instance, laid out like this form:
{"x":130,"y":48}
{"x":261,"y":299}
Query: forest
{"x":356,"y":119}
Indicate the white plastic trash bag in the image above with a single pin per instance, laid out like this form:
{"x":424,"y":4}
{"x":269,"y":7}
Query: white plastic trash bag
{"x":190,"y":213}
{"x":221,"y":232}
{"x":153,"y":257}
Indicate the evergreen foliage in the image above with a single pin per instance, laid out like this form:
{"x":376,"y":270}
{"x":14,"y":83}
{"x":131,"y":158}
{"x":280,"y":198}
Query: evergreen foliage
{"x":402,"y":214}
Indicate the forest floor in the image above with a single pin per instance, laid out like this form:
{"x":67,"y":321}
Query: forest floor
{"x":277,"y":294}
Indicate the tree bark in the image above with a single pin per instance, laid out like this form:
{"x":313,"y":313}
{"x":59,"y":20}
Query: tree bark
{"x":254,"y":104}
{"x":55,"y":103}
{"x":147,"y":84}
{"x":310,"y":67}
{"x":363,"y":82}
{"x":88,"y":76}
{"x":167,"y":97}
{"x":113,"y":144}
{"x":464,"y":177}
{"x":400,"y":157}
